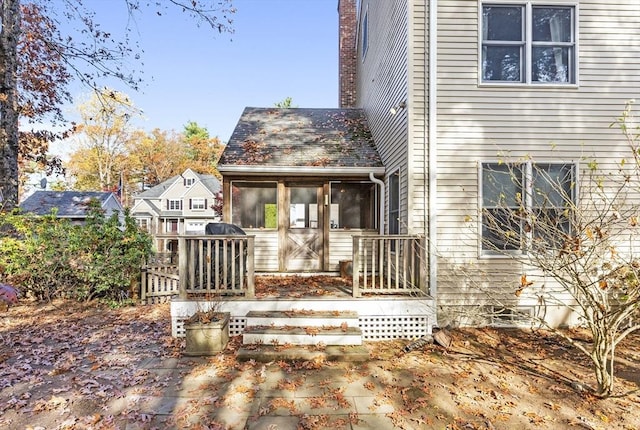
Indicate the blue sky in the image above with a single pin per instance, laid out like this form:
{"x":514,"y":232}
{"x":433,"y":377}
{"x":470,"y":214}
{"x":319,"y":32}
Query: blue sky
{"x":280,"y":48}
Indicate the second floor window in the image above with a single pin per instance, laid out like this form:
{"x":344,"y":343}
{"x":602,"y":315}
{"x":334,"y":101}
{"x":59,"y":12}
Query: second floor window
{"x":174,"y":204}
{"x":198,"y":204}
{"x":143,"y":223}
{"x":528,"y":43}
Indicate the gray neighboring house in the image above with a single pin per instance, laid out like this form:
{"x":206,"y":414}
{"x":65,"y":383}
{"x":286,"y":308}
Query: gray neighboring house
{"x":183,"y":204}
{"x":71,"y":205}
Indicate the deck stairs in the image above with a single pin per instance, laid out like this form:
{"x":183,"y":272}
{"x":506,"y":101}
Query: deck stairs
{"x":302,"y":335}
{"x":302,"y":327}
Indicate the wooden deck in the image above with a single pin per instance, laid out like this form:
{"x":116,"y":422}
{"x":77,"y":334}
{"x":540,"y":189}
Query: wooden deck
{"x":381,"y":317}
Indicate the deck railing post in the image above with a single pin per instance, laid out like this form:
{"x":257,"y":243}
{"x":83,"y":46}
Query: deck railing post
{"x":182,"y":267}
{"x":356,"y":266}
{"x":143,"y":285}
{"x":251,"y":288}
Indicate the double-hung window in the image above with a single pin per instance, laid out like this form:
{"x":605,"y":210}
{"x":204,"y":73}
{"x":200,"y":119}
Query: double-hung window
{"x":527,"y":205}
{"x":198,"y":204}
{"x":529,"y":43}
{"x":174,"y":204}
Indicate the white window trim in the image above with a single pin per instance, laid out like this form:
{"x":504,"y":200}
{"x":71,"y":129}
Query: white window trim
{"x":528,"y":36}
{"x":201,"y":204}
{"x":173,"y":202}
{"x":487,"y":254}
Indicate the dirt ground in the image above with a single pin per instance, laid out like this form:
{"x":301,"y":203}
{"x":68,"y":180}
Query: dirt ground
{"x":64,"y":365}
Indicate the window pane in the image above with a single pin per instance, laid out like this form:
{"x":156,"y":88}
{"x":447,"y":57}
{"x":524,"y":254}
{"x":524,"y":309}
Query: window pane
{"x":552,"y":24}
{"x":552,"y":185}
{"x":303,"y":207}
{"x":352,"y":205}
{"x":501,"y":230}
{"x":502,"y":63}
{"x":254,"y":205}
{"x":502,"y":23}
{"x":501,"y":186}
{"x":394,"y":204}
{"x":551,"y":64}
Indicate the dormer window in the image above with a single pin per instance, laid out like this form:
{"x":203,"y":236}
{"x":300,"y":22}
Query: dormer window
{"x":189,"y":181}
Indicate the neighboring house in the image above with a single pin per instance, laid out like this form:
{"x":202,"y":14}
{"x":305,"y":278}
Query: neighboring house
{"x":183,"y":204}
{"x":447,"y":88}
{"x":71,"y":205}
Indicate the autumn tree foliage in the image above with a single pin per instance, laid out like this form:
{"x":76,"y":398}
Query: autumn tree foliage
{"x":103,"y":132}
{"x":575,"y":244}
{"x":37,"y":63}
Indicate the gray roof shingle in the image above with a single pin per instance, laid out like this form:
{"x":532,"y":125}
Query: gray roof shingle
{"x":70,"y":204}
{"x":298,"y":137}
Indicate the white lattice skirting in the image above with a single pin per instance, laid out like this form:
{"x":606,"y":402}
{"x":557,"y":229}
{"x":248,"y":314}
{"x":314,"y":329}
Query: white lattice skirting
{"x":379,"y":318}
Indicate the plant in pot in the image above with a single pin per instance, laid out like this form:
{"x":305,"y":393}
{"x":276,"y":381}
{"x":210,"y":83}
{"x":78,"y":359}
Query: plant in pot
{"x":206,"y":331}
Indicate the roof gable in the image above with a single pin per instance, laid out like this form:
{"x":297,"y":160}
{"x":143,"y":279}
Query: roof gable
{"x":164,"y":189}
{"x":301,"y":137}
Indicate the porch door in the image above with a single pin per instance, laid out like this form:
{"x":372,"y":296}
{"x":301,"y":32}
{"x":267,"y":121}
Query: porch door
{"x":304,"y":233}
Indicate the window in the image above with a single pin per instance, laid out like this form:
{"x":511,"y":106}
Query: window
{"x":189,"y":181}
{"x":528,"y":43}
{"x":143,"y":223}
{"x":365,"y":34}
{"x":526,"y":205}
{"x":198,"y":204}
{"x":254,"y":204}
{"x":174,"y":204}
{"x":353,"y":205}
{"x":394,"y":203}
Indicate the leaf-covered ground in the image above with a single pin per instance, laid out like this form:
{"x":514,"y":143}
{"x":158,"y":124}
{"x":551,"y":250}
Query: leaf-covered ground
{"x":70,"y":366}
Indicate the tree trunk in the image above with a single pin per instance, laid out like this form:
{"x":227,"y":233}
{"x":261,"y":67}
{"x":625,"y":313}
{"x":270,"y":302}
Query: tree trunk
{"x":9,"y":36}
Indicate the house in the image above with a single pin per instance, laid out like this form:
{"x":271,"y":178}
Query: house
{"x":71,"y":205}
{"x":182,"y":204}
{"x":444,"y":89}
{"x":450,"y":87}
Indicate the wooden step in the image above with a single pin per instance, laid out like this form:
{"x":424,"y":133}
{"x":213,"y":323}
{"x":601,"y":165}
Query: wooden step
{"x":302,"y":327}
{"x":302,"y":335}
{"x":302,"y":318}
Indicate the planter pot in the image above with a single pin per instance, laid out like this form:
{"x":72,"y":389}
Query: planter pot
{"x":207,"y":338}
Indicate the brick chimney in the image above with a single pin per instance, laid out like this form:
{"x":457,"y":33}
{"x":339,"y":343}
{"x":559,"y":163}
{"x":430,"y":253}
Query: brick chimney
{"x":347,"y":52}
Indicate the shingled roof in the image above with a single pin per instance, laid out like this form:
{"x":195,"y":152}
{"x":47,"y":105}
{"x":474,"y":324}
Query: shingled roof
{"x":70,"y":204}
{"x":295,"y":137}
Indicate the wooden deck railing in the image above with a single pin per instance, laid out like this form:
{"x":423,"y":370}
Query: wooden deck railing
{"x":212,"y":266}
{"x":159,"y":282}
{"x":216,"y":265}
{"x":389,"y":264}
{"x":206,"y":266}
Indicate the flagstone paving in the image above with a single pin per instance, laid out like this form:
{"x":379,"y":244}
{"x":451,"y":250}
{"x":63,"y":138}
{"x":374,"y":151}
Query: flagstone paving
{"x":265,"y":397}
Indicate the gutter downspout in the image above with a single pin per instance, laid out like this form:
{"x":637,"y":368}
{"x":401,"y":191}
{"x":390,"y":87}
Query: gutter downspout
{"x":431,"y":149}
{"x":381,"y":183}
